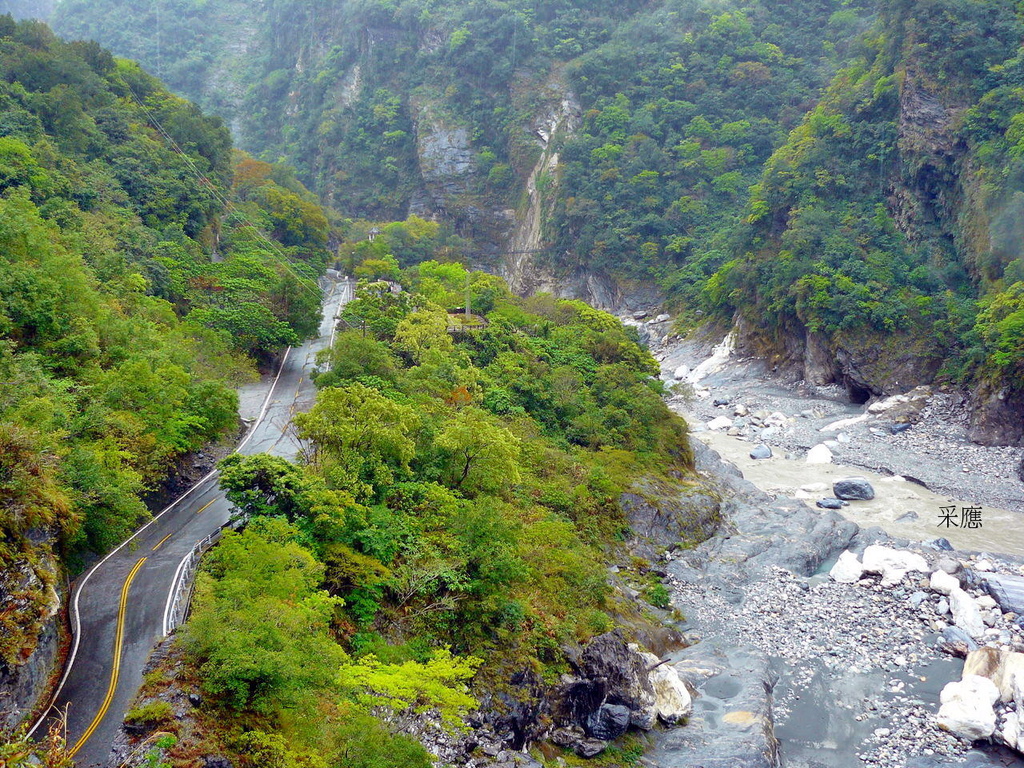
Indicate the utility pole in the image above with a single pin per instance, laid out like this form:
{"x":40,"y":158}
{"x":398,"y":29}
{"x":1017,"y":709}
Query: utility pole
{"x":467,"y":297}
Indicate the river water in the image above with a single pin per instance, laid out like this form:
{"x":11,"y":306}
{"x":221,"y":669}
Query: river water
{"x":821,"y":720}
{"x":1001,"y":530}
{"x":901,"y":507}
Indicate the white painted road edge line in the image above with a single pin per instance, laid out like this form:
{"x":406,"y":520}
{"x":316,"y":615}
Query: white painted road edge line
{"x":78,"y":589}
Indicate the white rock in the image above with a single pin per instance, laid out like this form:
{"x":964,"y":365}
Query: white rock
{"x":819,"y":454}
{"x":943,"y":583}
{"x":1011,"y":731}
{"x":681,"y":372}
{"x":815,"y":487}
{"x":889,"y":402}
{"x":740,"y":410}
{"x":721,"y":422}
{"x":672,"y":700}
{"x":983,"y":565}
{"x":986,"y":602}
{"x":892,"y":564}
{"x":967,"y":707}
{"x":966,"y":613}
{"x":847,"y":569}
{"x":661,"y":318}
{"x":835,"y":426}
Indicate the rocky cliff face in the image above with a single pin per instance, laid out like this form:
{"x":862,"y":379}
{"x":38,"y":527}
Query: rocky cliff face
{"x":30,"y":631}
{"x":939,"y":204}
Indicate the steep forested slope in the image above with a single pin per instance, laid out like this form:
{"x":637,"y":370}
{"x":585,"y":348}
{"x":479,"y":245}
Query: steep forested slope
{"x":883,"y":244}
{"x":624,"y":138}
{"x":450,"y":520}
{"x":444,"y":109}
{"x":135,"y":292}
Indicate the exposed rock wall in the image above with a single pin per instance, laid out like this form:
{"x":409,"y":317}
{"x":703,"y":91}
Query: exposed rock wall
{"x":31,"y":602}
{"x":938,"y":204}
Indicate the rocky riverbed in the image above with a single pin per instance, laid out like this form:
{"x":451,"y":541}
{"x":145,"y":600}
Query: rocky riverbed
{"x":914,"y":448}
{"x":792,"y":667}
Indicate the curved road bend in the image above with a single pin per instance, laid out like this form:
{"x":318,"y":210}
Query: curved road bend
{"x":117,"y":609}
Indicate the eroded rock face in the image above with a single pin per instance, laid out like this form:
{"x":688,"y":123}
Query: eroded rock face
{"x":31,"y":606}
{"x":658,"y":519}
{"x":997,"y":416}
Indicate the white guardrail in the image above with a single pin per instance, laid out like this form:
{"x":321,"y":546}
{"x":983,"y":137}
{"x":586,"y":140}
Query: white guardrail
{"x":180,"y":597}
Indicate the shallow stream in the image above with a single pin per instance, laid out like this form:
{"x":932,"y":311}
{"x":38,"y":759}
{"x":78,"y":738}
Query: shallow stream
{"x":896,"y":500}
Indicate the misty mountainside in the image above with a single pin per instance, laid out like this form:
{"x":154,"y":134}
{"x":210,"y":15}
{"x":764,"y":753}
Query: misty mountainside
{"x":660,"y":114}
{"x":840,"y":171}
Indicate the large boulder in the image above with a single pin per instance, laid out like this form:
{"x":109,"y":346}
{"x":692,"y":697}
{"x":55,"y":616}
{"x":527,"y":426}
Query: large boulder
{"x":612,"y":673}
{"x":1007,"y":590}
{"x":847,"y":569}
{"x":609,"y":722}
{"x":966,"y":613}
{"x":819,"y":454}
{"x":720,"y":422}
{"x":761,"y":452}
{"x":853,"y":489}
{"x":892,"y":564}
{"x":672,"y":700}
{"x":1004,"y":668}
{"x":943,"y":582}
{"x":967,"y":707}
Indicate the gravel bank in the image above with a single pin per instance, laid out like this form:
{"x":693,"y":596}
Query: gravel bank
{"x":796,"y":670}
{"x":933,"y":450}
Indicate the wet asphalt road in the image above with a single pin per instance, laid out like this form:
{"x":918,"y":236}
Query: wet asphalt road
{"x":118,"y":609}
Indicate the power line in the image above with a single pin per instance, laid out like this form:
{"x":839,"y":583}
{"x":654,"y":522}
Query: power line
{"x":275,"y":248}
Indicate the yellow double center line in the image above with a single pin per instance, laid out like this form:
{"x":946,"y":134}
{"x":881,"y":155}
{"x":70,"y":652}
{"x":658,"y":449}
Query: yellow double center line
{"x":118,"y":640}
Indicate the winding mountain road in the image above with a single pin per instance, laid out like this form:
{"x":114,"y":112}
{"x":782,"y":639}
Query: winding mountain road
{"x":119,"y":609}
